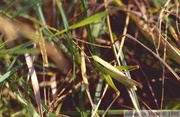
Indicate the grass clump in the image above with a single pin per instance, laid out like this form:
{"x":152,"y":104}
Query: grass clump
{"x":46,"y":48}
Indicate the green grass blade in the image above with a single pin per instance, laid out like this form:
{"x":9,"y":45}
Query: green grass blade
{"x":27,"y":104}
{"x":111,"y":112}
{"x":30,"y":3}
{"x":73,"y":47}
{"x":20,"y":49}
{"x":133,"y":92}
{"x":10,"y":5}
{"x":30,"y":93}
{"x":12,"y":63}
{"x":45,"y":30}
{"x":98,"y":91}
{"x":85,"y":22}
{"x":84,"y":7}
{"x":10,"y":72}
{"x":89,"y":20}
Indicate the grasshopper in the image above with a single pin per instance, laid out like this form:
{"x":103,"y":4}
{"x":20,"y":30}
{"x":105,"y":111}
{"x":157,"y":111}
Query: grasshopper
{"x":109,"y":71}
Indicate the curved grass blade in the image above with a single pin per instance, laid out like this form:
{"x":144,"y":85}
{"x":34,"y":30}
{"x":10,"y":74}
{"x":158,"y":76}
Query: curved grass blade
{"x":160,"y":59}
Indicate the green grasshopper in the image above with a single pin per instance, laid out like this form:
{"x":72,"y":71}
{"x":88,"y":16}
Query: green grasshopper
{"x":109,"y":71}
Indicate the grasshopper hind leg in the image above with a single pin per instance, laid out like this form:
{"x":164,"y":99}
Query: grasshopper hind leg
{"x":110,"y":83}
{"x":117,"y":95}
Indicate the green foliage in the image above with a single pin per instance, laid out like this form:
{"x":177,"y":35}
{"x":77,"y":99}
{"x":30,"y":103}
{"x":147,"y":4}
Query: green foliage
{"x":69,"y":46}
